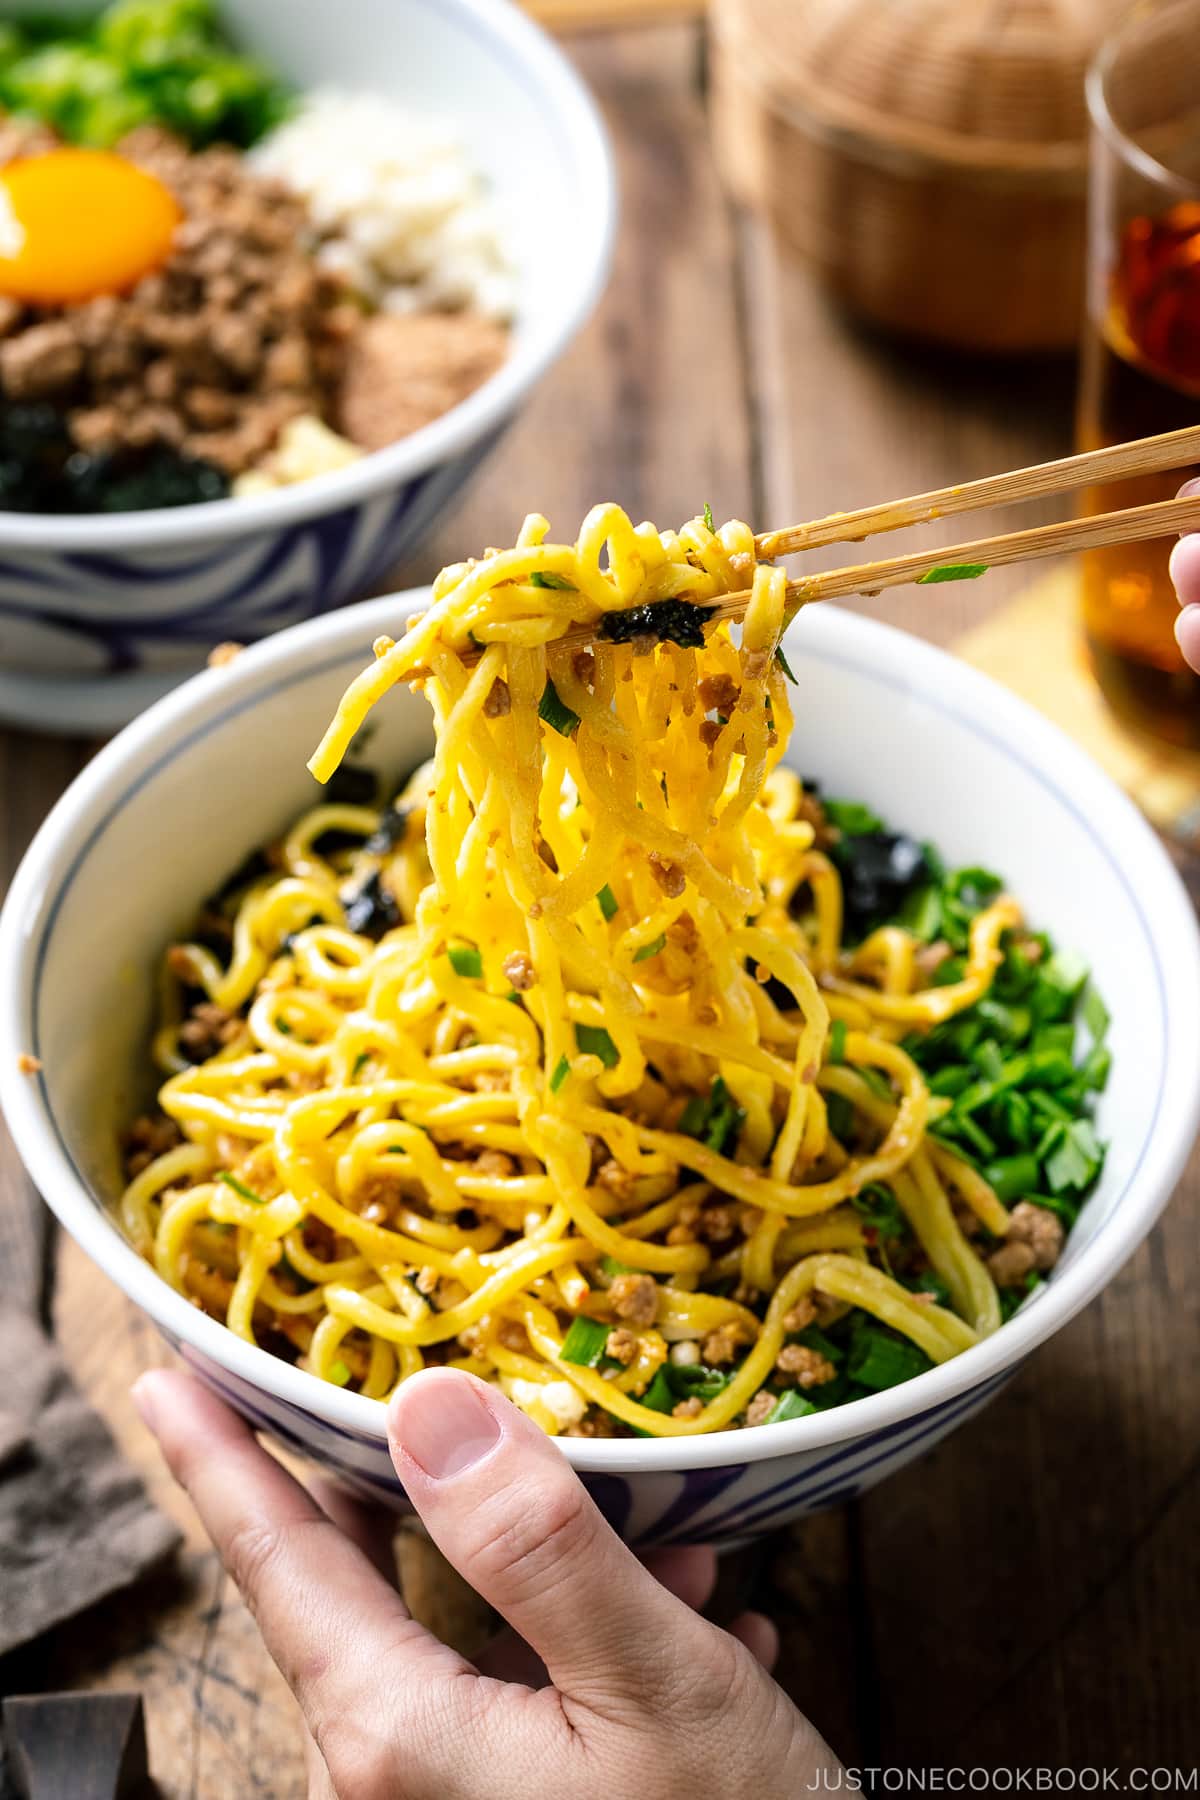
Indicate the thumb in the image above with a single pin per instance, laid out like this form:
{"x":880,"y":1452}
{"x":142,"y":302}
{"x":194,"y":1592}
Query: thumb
{"x":505,"y":1507}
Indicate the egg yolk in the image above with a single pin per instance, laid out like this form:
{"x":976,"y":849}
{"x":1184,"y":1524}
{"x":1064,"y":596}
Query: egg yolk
{"x":78,"y":223}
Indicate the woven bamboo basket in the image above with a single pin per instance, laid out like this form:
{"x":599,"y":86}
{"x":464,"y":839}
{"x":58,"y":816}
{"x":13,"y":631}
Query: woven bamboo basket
{"x":928,"y":156}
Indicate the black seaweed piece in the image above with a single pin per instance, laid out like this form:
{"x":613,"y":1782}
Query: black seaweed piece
{"x":667,"y":621}
{"x":144,"y":481}
{"x":352,"y":785}
{"x":372,"y":910}
{"x":42,"y":471}
{"x":393,"y":823}
{"x":879,"y":869}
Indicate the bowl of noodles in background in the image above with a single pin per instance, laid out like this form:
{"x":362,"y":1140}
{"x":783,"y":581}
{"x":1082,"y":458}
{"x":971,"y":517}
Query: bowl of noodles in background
{"x":119,"y":868}
{"x":452,"y":133}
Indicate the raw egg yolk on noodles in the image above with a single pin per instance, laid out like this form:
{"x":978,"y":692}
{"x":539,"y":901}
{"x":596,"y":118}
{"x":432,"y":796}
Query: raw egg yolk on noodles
{"x":78,"y":223}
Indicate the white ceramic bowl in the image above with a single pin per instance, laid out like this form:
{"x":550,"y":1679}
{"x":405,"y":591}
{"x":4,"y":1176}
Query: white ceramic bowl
{"x":101,"y":615}
{"x":175,"y":802}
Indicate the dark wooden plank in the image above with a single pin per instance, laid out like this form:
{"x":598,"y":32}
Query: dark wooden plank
{"x":91,"y":1746}
{"x":1029,"y":1592}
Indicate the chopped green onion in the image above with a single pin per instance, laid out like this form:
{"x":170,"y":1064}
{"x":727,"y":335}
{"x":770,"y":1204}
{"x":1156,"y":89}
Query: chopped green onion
{"x":339,"y":1373}
{"x":608,"y":901}
{"x":560,"y":1074}
{"x":593,"y":1040}
{"x":921,"y":912}
{"x":841,"y":1116}
{"x":364,"y":1056}
{"x":852,"y":817}
{"x":784,"y":664}
{"x":611,"y":1267}
{"x":1095,"y":1013}
{"x":837,"y":1041}
{"x":879,"y":1361}
{"x":659,"y":1396}
{"x":1066,"y":971}
{"x":1076,"y":1157}
{"x":651,"y":949}
{"x":282,"y":1026}
{"x":952,"y":572}
{"x":240,"y":1188}
{"x":708,"y":516}
{"x":584,"y":1342}
{"x":791,"y":1404}
{"x":1012,"y":1176}
{"x":555,"y":712}
{"x":696,"y":1381}
{"x":546,"y":578}
{"x":466,"y":960}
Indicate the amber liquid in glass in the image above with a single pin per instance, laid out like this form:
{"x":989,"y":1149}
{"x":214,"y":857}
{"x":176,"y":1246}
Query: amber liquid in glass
{"x":1141,"y":374}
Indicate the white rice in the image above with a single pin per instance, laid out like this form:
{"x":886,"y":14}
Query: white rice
{"x":404,"y":214}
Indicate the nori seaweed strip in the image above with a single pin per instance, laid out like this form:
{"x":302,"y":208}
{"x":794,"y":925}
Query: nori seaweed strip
{"x":667,"y":621}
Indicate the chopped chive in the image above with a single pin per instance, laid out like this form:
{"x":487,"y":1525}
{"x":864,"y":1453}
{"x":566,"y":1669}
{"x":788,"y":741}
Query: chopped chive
{"x":593,"y":1040}
{"x":555,"y":712}
{"x":651,"y":949}
{"x":1012,"y":1176}
{"x":240,"y":1188}
{"x":696,"y":1380}
{"x":837,"y":1041}
{"x":1076,"y":1157}
{"x":1095,"y":1068}
{"x":782,"y":660}
{"x":466,"y":960}
{"x":952,"y":572}
{"x":852,"y":817}
{"x":584,"y":1342}
{"x":282,"y":1026}
{"x":546,"y":578}
{"x":339,"y":1373}
{"x":560,"y":1074}
{"x":879,"y":1361}
{"x":607,"y":901}
{"x":660,"y":1395}
{"x":364,"y":1056}
{"x":611,"y":1267}
{"x":708,"y":516}
{"x":1095,"y":1013}
{"x":791,"y":1404}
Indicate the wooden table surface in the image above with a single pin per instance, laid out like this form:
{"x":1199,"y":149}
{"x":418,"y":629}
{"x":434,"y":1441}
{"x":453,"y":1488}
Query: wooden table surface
{"x":1029,"y":1593}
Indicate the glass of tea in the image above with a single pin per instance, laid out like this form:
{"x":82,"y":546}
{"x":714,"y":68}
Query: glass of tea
{"x":1141,"y":351}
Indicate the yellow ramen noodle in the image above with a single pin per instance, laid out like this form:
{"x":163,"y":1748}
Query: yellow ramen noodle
{"x":565,"y":1121}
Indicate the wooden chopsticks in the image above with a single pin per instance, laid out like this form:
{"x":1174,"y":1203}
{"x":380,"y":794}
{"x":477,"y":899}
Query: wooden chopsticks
{"x":1169,"y":450}
{"x":1144,"y":456}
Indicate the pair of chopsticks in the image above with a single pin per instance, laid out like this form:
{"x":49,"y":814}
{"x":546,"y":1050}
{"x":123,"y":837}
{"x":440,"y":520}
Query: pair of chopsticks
{"x":1144,"y":456}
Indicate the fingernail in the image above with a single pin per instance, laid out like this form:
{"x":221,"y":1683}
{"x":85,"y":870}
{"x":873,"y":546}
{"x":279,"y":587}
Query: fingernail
{"x":142,"y":1395}
{"x":1189,"y":489}
{"x":444,"y":1423}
